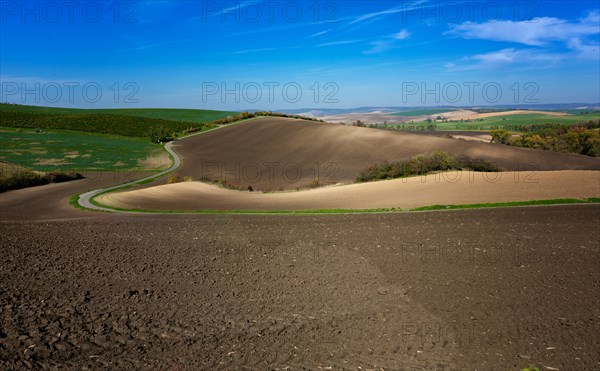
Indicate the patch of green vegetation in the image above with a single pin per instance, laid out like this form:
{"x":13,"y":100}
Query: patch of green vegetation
{"x":422,"y":112}
{"x":530,"y":368}
{"x":513,"y":122}
{"x":421,"y":165}
{"x":584,"y":140}
{"x":560,"y":201}
{"x":581,"y":112}
{"x":254,"y":212}
{"x":189,"y":115}
{"x":538,"y":119}
{"x":101,"y":123}
{"x":363,"y":211}
{"x":490,"y":110}
{"x":74,"y":201}
{"x":72,"y":151}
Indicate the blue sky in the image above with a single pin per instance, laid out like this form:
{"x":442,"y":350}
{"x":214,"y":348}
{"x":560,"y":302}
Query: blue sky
{"x":297,"y":54}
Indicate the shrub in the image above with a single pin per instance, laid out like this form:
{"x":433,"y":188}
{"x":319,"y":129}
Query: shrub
{"x":423,"y":164}
{"x":178,"y":179}
{"x":582,"y":139}
{"x":174,"y":179}
{"x":501,"y":136}
{"x":59,"y":177}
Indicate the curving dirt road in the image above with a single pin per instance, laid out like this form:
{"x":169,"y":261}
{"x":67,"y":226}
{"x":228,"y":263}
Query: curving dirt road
{"x":85,"y":199}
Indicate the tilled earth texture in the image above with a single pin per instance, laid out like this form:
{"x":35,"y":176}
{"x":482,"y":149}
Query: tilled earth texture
{"x":496,"y":289}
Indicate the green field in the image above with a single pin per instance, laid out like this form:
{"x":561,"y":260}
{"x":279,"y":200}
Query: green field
{"x":502,"y":122}
{"x":189,"y":115}
{"x":528,"y":119}
{"x":583,"y":112}
{"x":421,"y":112}
{"x":73,"y":151}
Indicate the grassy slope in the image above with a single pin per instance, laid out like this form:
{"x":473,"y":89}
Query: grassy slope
{"x":562,"y":201}
{"x":57,"y":149}
{"x":190,"y":115}
{"x":76,"y":151}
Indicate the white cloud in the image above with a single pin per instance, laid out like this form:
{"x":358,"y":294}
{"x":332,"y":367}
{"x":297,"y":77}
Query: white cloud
{"x":542,"y":33}
{"x":500,"y":56}
{"x":402,"y":35}
{"x":506,"y":57}
{"x":585,"y":51}
{"x":537,"y":32}
{"x":389,"y":42}
{"x":379,"y":46}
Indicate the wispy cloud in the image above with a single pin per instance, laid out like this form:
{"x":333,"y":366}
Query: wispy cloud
{"x":398,"y":9}
{"x":379,"y":46}
{"x":537,"y":32}
{"x":389,"y":42}
{"x":253,"y":51}
{"x":585,"y":51}
{"x":541,"y":33}
{"x":239,"y":6}
{"x":402,"y":35}
{"x":141,"y":45}
{"x":506,"y":57}
{"x":320,"y":33}
{"x":341,"y":42}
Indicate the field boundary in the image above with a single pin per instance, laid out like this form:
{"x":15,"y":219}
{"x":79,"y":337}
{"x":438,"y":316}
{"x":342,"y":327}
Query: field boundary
{"x":532,"y":203}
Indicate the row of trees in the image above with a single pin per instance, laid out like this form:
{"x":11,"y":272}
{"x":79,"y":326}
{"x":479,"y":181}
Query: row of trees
{"x":423,"y":164}
{"x":130,"y":126}
{"x":158,"y":130}
{"x":575,"y":139}
{"x":26,"y":178}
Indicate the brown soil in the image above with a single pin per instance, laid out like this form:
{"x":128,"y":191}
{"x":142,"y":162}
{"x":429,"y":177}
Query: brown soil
{"x":369,"y":118}
{"x":474,"y":115}
{"x":52,"y":201}
{"x":280,"y":154}
{"x":451,"y":188}
{"x":482,"y":289}
{"x":497,"y":289}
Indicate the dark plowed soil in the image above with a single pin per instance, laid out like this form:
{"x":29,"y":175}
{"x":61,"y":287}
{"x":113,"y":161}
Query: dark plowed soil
{"x":488,"y":289}
{"x":281,"y":154}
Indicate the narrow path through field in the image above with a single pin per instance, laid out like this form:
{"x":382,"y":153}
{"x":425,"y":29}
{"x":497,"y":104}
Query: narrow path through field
{"x":85,"y":200}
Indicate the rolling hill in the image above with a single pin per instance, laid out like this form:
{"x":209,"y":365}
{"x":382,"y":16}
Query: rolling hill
{"x":286,"y":154}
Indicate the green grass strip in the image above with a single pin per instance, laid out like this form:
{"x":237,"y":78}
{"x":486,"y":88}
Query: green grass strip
{"x":562,"y":201}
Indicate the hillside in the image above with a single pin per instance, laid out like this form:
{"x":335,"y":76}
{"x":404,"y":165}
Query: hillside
{"x":285,"y":154}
